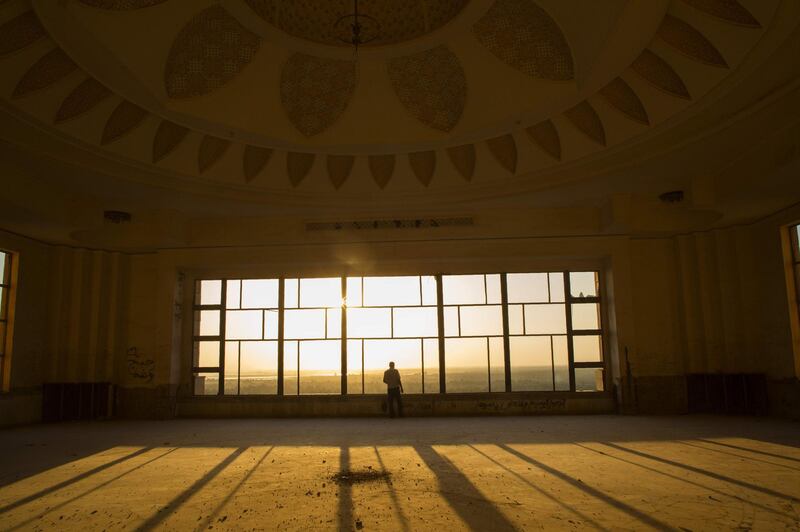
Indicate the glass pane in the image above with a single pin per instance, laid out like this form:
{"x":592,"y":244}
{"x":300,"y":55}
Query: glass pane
{"x":467,"y":365}
{"x":428,"y":290}
{"x":515,"y":324}
{"x":493,"y":291}
{"x":407,"y":356}
{"x":334,"y":323}
{"x":482,"y":321}
{"x":206,"y":354}
{"x":291,"y":293}
{"x":259,"y":368}
{"x":586,"y":316}
{"x":497,"y":365}
{"x":320,"y":367}
{"x":243,"y":325}
{"x":2,"y":341}
{"x":587,"y":348}
{"x":232,"y":294}
{"x":299,"y":324}
{"x":206,"y":383}
{"x":415,"y":322}
{"x":270,"y":324}
{"x":556,"y":287}
{"x":527,"y":288}
{"x":545,"y":319}
{"x":795,"y":235}
{"x":588,"y":379}
{"x":369,"y":322}
{"x":354,"y":382}
{"x":209,"y":292}
{"x":354,"y":292}
{"x":3,"y":303}
{"x":207,"y":324}
{"x":231,"y":368}
{"x":325,"y":292}
{"x":451,"y":321}
{"x":464,"y":289}
{"x":260,"y":293}
{"x":290,"y":352}
{"x":391,"y":291}
{"x":4,"y":269}
{"x":561,"y":363}
{"x":583,"y":284}
{"x":430,"y":355}
{"x":531,"y":363}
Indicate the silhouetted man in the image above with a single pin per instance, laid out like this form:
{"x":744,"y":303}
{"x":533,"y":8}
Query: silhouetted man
{"x":394,"y":387}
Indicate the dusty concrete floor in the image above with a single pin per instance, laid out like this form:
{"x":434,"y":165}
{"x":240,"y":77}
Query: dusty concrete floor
{"x":606,"y":472}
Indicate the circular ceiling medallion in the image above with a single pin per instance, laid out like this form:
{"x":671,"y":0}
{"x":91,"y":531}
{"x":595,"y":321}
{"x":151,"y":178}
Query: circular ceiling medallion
{"x":385,"y":21}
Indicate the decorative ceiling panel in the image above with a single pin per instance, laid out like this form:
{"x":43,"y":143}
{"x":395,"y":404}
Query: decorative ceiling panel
{"x":383,"y":21}
{"x":463,"y":158}
{"x":545,"y":135}
{"x":122,"y":5}
{"x":729,"y":10}
{"x":339,"y":168}
{"x":423,"y":164}
{"x":211,"y":150}
{"x":654,"y":69}
{"x":524,"y":36}
{"x":684,"y":38}
{"x":254,"y":160}
{"x":620,"y":95}
{"x":207,"y":53}
{"x":20,"y":32}
{"x":82,"y":99}
{"x":504,"y":150}
{"x":298,"y":165}
{"x":52,"y":67}
{"x":431,"y":85}
{"x":585,"y":118}
{"x":382,"y":168}
{"x":168,"y":136}
{"x":315,"y":91}
{"x":124,"y":118}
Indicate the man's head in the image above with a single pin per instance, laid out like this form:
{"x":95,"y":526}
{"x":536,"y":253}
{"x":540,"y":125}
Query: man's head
{"x":391,"y":365}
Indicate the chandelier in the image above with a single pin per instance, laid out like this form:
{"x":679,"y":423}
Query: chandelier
{"x":357,"y":28}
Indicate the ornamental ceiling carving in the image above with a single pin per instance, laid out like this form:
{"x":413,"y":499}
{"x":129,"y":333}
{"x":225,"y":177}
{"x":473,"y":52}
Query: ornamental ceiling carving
{"x":451,"y":110}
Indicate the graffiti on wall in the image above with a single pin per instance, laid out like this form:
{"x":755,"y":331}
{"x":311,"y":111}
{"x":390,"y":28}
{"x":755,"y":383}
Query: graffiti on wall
{"x":140,"y":367}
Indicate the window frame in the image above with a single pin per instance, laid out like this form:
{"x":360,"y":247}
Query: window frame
{"x":8,"y":285}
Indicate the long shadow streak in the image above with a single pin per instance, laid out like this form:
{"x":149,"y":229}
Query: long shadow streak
{"x":65,"y":483}
{"x":400,"y":515}
{"x":675,"y":477}
{"x":191,"y":490}
{"x":221,"y":505}
{"x":345,"y":492}
{"x":543,"y":492}
{"x":99,"y":486}
{"x":750,"y":458}
{"x":460,"y":493}
{"x":706,"y":472}
{"x":611,"y":501}
{"x":765,"y":453}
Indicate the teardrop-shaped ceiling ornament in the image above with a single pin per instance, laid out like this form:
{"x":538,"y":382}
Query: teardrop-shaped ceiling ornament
{"x":463,"y":158}
{"x":207,"y":53}
{"x":339,"y":168}
{"x":545,"y":135}
{"x":585,"y":118}
{"x":19,"y":32}
{"x":211,"y":150}
{"x":315,"y":91}
{"x":729,"y":10}
{"x":254,"y":160}
{"x":687,"y":40}
{"x":50,"y":68}
{"x":620,"y":95}
{"x":298,"y":165}
{"x":504,"y":150}
{"x":124,"y":118}
{"x":82,"y":99}
{"x":382,"y":169}
{"x":524,"y":36}
{"x":653,"y":69}
{"x":423,"y":163}
{"x":431,"y":85}
{"x":168,"y":136}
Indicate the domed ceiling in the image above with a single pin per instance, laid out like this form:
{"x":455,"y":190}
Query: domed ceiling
{"x":268,"y":96}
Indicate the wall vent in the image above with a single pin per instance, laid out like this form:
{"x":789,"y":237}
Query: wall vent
{"x":399,"y":223}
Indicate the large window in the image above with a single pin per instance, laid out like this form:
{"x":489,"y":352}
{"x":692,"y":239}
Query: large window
{"x":5,"y":320}
{"x":446,"y":333}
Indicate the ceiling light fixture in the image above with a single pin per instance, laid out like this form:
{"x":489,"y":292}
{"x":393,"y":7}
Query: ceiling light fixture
{"x":359,"y":28}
